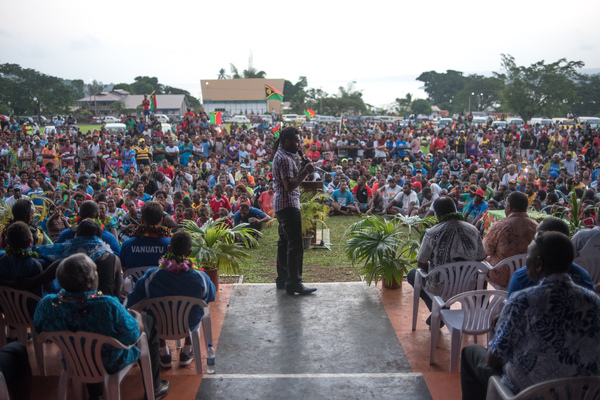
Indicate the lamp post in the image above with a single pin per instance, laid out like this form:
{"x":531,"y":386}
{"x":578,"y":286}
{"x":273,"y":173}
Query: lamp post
{"x":479,"y":101}
{"x":472,"y":94}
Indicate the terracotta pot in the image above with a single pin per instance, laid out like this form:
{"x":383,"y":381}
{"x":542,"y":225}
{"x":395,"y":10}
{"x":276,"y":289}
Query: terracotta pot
{"x":213,"y":274}
{"x":392,"y":286}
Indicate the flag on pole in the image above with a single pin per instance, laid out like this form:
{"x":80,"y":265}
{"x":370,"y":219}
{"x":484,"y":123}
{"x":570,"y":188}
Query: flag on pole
{"x":272,"y":93}
{"x":153,"y":101}
{"x":215,"y":117}
{"x":309,"y":113}
{"x":277,"y":130}
{"x":344,"y":124}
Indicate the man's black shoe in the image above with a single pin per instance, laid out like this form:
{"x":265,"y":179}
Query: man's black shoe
{"x":300,"y":289}
{"x":280,"y":285}
{"x":162,"y":390}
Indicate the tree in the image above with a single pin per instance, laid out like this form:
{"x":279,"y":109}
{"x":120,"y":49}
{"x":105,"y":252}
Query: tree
{"x":441,"y":88}
{"x":485,"y":92}
{"x":29,"y":90}
{"x":194,"y":102}
{"x":540,"y":89}
{"x":118,"y":107}
{"x":234,"y":72}
{"x":588,"y":92}
{"x":222,"y":74}
{"x":146,"y":85}
{"x":93,"y":89}
{"x":123,"y":86}
{"x":421,"y":106}
{"x":403,"y":105}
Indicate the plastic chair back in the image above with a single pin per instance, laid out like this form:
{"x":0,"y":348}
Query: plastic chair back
{"x":583,"y":388}
{"x":18,"y":307}
{"x":479,"y":309}
{"x":82,"y":352}
{"x":458,"y":277}
{"x":171,"y":314}
{"x":136,"y":273}
{"x":172,"y":321}
{"x":512,"y":263}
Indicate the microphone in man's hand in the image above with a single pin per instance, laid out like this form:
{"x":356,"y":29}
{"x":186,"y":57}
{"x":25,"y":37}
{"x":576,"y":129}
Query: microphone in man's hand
{"x":303,"y":157}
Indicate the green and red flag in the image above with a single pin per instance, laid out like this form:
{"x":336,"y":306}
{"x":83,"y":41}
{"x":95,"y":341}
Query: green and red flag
{"x":309,"y":113}
{"x":153,"y":102}
{"x":215,"y":117}
{"x":277,"y":130}
{"x":272,"y":93}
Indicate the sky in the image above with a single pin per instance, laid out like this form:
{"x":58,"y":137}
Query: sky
{"x":378,"y":46}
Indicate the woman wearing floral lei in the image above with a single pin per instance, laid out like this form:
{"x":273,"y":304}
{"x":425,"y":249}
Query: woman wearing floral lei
{"x":176,"y":275}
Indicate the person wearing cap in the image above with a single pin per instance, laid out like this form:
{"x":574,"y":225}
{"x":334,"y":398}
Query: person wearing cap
{"x":474,"y":211}
{"x":407,"y":201}
{"x":569,"y":164}
{"x":143,"y":154}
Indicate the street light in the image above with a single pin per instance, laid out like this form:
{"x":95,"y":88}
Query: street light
{"x":472,"y":94}
{"x":479,"y":101}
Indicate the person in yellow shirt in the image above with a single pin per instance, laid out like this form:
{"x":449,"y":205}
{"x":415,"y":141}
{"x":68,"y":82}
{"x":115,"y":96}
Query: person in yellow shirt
{"x":143,"y":154}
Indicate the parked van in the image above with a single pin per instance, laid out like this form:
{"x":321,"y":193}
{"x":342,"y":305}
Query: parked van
{"x":593,"y":121}
{"x":324,"y":119}
{"x":116,"y":127}
{"x":445,"y":121}
{"x":541,"y":121}
{"x":241,"y":119}
{"x":515,"y":121}
{"x":479,"y":121}
{"x":387,"y":119}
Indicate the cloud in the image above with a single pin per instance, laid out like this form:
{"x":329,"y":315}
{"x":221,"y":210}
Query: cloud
{"x":4,"y":33}
{"x":85,"y":43}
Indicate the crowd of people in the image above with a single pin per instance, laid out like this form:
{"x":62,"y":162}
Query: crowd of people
{"x":120,"y":196}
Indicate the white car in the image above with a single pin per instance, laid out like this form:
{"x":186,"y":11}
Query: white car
{"x":290,"y":117}
{"x":114,"y":128}
{"x":166,"y":128}
{"x":162,"y":118}
{"x":111,"y":120}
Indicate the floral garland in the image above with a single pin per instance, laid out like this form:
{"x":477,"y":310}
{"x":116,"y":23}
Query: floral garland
{"x":176,"y":263}
{"x":20,"y":253}
{"x":451,"y":216}
{"x":152,"y":231}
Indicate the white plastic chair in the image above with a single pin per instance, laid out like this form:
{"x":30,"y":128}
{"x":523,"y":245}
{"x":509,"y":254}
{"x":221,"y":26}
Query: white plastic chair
{"x":589,"y":258}
{"x":513,"y":263}
{"x":16,"y":314}
{"x":479,"y":309}
{"x":584,"y":388}
{"x":172,"y":321}
{"x":131,"y":275}
{"x":3,"y":389}
{"x":82,"y":353}
{"x":455,"y":278}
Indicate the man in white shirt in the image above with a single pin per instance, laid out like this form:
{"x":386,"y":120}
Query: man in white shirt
{"x":405,"y":202}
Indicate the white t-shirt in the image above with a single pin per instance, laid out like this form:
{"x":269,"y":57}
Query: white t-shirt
{"x":389,"y":194}
{"x":403,"y":201}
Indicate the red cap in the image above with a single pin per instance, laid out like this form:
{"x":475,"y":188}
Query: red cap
{"x":479,"y":192}
{"x":417,"y":184}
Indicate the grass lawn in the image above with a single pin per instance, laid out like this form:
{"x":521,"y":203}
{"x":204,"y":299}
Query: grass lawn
{"x":84,"y":128}
{"x":320,"y":265}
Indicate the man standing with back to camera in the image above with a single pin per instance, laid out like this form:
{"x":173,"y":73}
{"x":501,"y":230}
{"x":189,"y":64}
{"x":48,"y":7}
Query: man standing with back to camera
{"x":286,"y":204}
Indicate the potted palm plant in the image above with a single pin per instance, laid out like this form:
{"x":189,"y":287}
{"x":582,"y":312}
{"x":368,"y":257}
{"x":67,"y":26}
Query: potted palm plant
{"x":385,"y":249}
{"x":220,"y":249}
{"x":314,"y":209}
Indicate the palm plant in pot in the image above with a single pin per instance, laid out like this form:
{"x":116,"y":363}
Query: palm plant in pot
{"x":385,"y":249}
{"x":215,"y":248}
{"x":314,"y":209}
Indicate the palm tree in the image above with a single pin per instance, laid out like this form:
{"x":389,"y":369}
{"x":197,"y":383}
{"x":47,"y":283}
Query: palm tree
{"x":222,"y":74}
{"x":404,"y":105}
{"x":251,"y":72}
{"x":234,"y":72}
{"x":93,"y":89}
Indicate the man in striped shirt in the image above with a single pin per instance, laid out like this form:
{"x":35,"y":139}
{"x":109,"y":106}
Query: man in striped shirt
{"x":286,"y":204}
